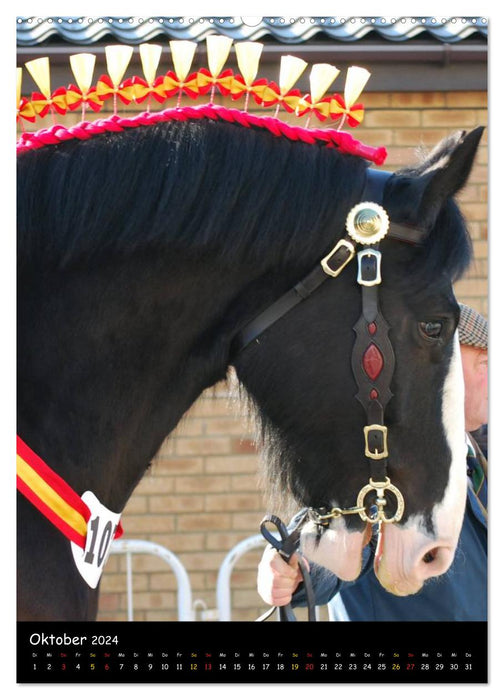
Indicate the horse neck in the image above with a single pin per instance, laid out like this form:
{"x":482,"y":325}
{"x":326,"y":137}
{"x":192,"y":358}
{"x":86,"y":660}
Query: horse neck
{"x":112,"y":355}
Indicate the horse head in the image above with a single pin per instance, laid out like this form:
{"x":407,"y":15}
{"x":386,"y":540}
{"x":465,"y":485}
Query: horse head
{"x":304,"y":370}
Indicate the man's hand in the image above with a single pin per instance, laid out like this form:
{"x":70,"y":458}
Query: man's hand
{"x":276,"y":579}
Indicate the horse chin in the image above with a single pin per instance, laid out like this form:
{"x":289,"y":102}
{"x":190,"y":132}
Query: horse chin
{"x":337,"y":549}
{"x":406,"y":558}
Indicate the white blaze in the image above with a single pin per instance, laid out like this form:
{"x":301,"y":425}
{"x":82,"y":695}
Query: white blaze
{"x":448,"y":515}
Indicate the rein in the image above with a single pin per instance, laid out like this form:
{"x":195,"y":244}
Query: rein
{"x":373,"y":359}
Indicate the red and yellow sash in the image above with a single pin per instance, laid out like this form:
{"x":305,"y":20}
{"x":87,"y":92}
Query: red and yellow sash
{"x":52,"y":496}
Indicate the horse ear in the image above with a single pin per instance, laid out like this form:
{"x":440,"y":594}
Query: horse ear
{"x":446,"y":170}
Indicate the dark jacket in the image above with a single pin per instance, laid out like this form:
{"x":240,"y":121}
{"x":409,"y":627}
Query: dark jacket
{"x":459,"y":595}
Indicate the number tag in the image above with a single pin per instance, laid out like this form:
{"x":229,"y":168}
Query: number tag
{"x":101,"y":528}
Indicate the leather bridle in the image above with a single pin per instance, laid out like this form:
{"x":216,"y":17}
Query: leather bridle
{"x":373,"y":359}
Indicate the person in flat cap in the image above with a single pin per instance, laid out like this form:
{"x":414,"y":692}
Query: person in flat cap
{"x":459,"y":595}
{"x":473,"y":337}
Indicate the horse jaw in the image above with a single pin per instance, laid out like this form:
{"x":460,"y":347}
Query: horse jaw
{"x":337,"y":550}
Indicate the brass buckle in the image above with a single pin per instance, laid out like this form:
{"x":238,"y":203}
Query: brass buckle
{"x":369,"y":253}
{"x":383,"y":430}
{"x":380,"y":487}
{"x":325,"y":261}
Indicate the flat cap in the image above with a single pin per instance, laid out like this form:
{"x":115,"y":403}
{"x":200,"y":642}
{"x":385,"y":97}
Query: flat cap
{"x":473,"y":328}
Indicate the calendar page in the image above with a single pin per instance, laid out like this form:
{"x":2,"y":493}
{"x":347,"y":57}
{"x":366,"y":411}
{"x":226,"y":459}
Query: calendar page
{"x":252,"y":370}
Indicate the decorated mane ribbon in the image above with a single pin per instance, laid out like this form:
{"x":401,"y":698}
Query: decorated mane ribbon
{"x":52,"y":496}
{"x":182,"y":81}
{"x":330,"y":138}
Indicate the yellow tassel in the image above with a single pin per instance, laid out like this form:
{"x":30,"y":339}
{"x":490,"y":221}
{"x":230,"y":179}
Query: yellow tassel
{"x":355,"y":81}
{"x":19,"y":79}
{"x":39,"y":71}
{"x":291,"y":68}
{"x":82,"y":65}
{"x":118,"y":58}
{"x":182,"y":57}
{"x":218,"y":48}
{"x":248,"y":54}
{"x":150,"y":55}
{"x":322,"y":76}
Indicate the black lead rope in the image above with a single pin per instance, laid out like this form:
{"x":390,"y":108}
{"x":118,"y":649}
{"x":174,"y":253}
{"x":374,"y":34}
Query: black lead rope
{"x":286,"y":546}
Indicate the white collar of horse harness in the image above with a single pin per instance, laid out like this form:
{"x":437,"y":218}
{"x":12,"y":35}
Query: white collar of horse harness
{"x":373,"y":358}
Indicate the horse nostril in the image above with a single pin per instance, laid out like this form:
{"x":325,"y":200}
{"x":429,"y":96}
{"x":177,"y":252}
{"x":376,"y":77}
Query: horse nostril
{"x":430,"y":556}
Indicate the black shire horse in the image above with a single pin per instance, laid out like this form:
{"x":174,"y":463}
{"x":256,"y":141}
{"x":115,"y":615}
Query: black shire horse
{"x":141,"y":257}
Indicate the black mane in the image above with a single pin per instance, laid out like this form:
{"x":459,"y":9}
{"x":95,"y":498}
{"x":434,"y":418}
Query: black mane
{"x":189,"y":185}
{"x":205,"y":186}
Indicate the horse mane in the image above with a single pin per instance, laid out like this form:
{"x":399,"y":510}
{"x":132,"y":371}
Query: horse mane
{"x":191,"y":184}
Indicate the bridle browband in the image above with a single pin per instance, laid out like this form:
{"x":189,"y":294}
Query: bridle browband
{"x":373,"y":359}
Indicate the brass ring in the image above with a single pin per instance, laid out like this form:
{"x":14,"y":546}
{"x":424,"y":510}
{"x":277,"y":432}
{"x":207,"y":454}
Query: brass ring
{"x":380,"y":487}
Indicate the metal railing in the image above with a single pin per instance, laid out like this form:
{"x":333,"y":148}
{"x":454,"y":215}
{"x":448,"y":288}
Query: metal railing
{"x":185,"y":609}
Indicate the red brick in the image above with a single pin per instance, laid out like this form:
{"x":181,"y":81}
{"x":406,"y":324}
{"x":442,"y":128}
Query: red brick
{"x":203,"y":446}
{"x":467,"y":99}
{"x":232,"y":464}
{"x":178,"y":465}
{"x":393,"y":118}
{"x":243,"y":446}
{"x":147,"y":524}
{"x":204,"y":521}
{"x":175,"y":504}
{"x":456,"y":118}
{"x":230,"y":502}
{"x":418,"y":99}
{"x":202,"y":484}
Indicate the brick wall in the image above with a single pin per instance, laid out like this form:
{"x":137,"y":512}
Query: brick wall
{"x":202,"y":494}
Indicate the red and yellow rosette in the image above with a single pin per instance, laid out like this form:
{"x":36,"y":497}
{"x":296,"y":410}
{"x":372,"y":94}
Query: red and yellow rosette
{"x":322,"y":75}
{"x":248,"y":54}
{"x":105,"y":90}
{"x":26,"y":110}
{"x":139,"y":89}
{"x":76,"y":98}
{"x":320,"y":109}
{"x":45,"y":101}
{"x":149,"y":87}
{"x":205,"y":81}
{"x":346,"y":107}
{"x":218,"y":48}
{"x":240,"y":88}
{"x":353,"y":115}
{"x":272,"y":95}
{"x":110,"y":86}
{"x":173,"y":85}
{"x":282,"y":93}
{"x":83,"y":94}
{"x":42,"y":104}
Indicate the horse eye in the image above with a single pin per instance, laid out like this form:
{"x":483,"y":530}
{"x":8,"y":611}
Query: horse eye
{"x":431,"y":329}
